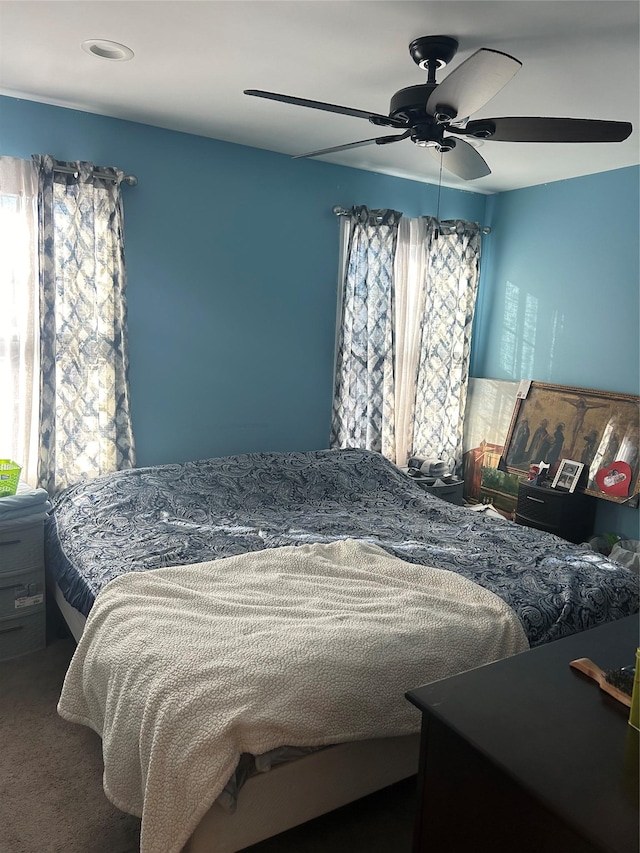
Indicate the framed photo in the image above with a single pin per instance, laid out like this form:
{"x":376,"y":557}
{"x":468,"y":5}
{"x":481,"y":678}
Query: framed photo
{"x":567,"y":475}
{"x":598,"y":429}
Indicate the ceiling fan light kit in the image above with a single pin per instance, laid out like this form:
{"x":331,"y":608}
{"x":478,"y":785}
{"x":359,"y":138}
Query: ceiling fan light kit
{"x":428,"y":111}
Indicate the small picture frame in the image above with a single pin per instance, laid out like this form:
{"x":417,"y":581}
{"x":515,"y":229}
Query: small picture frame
{"x":567,"y":475}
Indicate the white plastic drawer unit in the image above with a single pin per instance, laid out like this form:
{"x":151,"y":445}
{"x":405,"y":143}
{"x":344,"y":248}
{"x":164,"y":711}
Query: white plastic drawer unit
{"x":22,"y":635}
{"x":21,"y":547}
{"x":22,"y":590}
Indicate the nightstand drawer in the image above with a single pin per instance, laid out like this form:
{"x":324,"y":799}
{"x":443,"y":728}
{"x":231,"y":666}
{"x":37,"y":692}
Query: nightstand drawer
{"x":543,"y":506}
{"x":536,"y":524}
{"x":21,"y":592}
{"x":22,"y":548}
{"x":22,"y":634}
{"x":569,"y":515}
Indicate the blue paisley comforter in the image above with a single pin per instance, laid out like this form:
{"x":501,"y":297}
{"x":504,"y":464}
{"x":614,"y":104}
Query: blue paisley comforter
{"x":168,"y":515}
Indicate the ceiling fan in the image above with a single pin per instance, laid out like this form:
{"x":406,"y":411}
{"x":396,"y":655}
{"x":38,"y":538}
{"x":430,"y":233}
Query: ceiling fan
{"x":436,"y":115}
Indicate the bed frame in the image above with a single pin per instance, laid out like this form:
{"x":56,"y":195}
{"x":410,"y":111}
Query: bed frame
{"x":294,"y":792}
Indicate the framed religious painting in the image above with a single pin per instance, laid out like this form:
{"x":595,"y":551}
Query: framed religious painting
{"x":598,"y":429}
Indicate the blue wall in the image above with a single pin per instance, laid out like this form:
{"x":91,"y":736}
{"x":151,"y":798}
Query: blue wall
{"x":560,"y":297}
{"x":232,"y":266}
{"x":232,"y":262}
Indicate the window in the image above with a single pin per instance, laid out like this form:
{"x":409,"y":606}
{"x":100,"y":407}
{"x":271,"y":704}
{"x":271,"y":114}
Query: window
{"x":63,"y":356}
{"x":19,"y":369}
{"x":404,"y":330}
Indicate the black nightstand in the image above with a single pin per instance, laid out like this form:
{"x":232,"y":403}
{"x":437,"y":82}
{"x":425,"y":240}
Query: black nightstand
{"x":569,"y":515}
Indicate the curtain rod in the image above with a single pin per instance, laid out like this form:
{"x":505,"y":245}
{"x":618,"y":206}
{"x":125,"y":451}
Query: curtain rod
{"x":342,"y":211}
{"x":69,"y":170}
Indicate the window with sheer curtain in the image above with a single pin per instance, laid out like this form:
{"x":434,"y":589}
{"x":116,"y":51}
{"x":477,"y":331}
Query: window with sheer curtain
{"x":63,"y":355}
{"x":19,"y":335}
{"x":404,"y":332}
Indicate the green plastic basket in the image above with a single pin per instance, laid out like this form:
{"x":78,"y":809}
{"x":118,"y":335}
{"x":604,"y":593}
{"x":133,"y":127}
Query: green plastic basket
{"x":9,"y":477}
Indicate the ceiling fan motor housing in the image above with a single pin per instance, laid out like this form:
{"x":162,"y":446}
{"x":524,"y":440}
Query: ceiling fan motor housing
{"x":410,"y":103}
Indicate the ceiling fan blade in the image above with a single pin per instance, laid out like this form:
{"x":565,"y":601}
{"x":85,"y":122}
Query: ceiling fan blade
{"x":531,"y":129}
{"x":463,"y":160}
{"x":469,"y":86}
{"x":378,"y":140}
{"x":375,"y":118}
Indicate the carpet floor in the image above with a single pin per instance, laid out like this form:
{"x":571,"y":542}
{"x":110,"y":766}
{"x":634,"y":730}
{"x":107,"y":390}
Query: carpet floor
{"x":51,"y":797}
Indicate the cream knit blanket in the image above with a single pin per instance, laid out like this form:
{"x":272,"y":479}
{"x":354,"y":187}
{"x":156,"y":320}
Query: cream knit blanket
{"x":180,"y":670}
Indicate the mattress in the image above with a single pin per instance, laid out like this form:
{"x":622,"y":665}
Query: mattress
{"x":170,"y":515}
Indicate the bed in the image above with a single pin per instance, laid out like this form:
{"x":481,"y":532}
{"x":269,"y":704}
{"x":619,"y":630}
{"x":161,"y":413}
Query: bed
{"x":347,"y":517}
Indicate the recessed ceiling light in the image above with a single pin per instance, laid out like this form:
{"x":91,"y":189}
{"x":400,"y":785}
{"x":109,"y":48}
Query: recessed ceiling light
{"x":105,"y":49}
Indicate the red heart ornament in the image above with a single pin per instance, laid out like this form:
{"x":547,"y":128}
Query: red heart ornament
{"x":615,"y":479}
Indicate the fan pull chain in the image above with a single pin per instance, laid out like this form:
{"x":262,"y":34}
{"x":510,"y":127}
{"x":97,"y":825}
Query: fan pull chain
{"x":437,"y":233}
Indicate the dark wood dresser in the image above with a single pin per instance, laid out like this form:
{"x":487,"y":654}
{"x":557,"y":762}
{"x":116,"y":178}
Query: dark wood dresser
{"x":526,"y":755}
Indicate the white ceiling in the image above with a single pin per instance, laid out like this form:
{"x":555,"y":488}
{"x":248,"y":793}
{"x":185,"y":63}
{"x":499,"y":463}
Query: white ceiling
{"x":194,"y":59}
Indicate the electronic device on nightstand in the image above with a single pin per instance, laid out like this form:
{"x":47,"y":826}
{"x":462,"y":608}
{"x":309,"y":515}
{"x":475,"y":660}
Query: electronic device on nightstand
{"x":417,"y":466}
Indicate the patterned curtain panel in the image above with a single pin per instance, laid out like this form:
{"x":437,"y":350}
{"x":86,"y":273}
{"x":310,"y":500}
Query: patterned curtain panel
{"x":363,"y":408}
{"x":85,"y":425}
{"x":443,"y":369}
